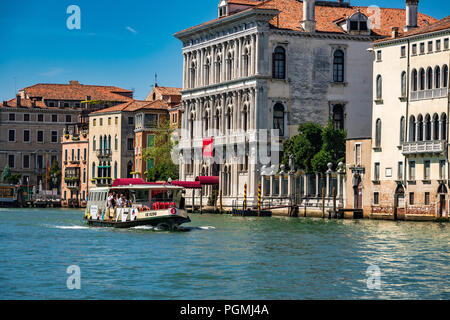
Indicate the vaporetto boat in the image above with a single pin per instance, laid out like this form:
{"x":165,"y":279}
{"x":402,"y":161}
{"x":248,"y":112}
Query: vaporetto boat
{"x":161,"y":205}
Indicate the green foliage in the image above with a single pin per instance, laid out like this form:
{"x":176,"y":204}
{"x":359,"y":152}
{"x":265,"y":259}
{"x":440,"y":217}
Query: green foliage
{"x":6,"y":173}
{"x":164,"y":167}
{"x":14,"y":178}
{"x":314,"y":147}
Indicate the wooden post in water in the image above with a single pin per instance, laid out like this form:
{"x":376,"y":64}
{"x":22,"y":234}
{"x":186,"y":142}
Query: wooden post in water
{"x":259,"y":200}
{"x":193,"y":199}
{"x":323,"y":203}
{"x":201,"y":200}
{"x":245,"y":197}
{"x":334,"y":202}
{"x":220,"y":201}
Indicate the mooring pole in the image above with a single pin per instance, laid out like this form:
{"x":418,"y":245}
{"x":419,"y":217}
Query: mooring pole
{"x":245,"y":197}
{"x":334,"y":202}
{"x":220,"y":203}
{"x":193,"y":199}
{"x":201,"y":200}
{"x":323,"y":203}
{"x":259,"y":200}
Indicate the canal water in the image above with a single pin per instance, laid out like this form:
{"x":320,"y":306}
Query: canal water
{"x":222,"y":257}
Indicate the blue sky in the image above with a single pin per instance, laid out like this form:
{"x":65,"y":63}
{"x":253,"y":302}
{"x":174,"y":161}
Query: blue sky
{"x":122,"y":43}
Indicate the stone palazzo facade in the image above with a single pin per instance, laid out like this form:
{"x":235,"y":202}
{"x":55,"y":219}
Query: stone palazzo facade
{"x":271,"y":65}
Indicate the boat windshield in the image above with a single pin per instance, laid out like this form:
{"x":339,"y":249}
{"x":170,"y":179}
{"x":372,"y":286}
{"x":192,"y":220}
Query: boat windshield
{"x":146,"y":198}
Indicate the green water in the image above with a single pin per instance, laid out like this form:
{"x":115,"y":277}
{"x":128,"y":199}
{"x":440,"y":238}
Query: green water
{"x":221,"y":257}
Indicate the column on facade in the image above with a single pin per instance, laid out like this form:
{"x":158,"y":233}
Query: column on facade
{"x":257,"y":53}
{"x":417,"y":130}
{"x":235,"y":60}
{"x":223,"y":107}
{"x":317,"y":185}
{"x":238,"y":110}
{"x":241,"y":41}
{"x":184,"y":70}
{"x":441,"y":127}
{"x":253,"y":54}
{"x":328,"y":191}
{"x":253,"y":101}
{"x":224,"y":58}
{"x":424,"y":130}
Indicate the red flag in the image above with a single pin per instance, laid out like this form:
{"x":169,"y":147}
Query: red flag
{"x":208,"y":147}
{"x":48,"y":169}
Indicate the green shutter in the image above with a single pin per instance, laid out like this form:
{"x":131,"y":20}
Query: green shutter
{"x":150,"y":141}
{"x":150,"y":163}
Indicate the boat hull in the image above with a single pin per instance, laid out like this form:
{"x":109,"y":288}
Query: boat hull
{"x":166,"y":222}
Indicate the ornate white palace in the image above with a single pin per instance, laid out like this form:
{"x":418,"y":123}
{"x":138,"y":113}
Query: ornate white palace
{"x":270,"y":65}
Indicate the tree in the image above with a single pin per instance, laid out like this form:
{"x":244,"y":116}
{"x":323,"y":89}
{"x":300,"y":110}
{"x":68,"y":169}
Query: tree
{"x":55,"y":170}
{"x":160,"y":152}
{"x":6,"y":173}
{"x":334,"y":141}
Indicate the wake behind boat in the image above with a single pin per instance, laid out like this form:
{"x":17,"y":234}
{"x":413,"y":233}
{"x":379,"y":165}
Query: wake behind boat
{"x":133,"y":202}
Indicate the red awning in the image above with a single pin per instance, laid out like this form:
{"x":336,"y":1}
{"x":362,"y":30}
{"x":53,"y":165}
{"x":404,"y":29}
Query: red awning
{"x":187,"y":184}
{"x":208,"y":181}
{"x":127,"y":182}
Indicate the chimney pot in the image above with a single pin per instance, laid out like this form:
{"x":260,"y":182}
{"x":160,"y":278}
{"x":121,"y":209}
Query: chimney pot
{"x":5,"y":103}
{"x":411,"y":14}
{"x":309,"y":15}
{"x":73,"y":82}
{"x":394,"y":32}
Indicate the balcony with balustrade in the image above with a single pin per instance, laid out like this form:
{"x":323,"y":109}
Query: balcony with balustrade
{"x":424,"y":147}
{"x":104,"y":153}
{"x":429,"y":94}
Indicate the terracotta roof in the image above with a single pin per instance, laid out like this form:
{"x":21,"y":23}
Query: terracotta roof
{"x":434,"y":27}
{"x":173,"y":93}
{"x":291,"y":15}
{"x":27,"y":103}
{"x":134,"y":105}
{"x":76,"y":91}
{"x":245,"y":2}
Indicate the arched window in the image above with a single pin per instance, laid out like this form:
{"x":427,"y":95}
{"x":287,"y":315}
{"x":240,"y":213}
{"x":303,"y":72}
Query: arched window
{"x":229,"y":118}
{"x":229,"y":66}
{"x":437,"y":77}
{"x":93,"y":170}
{"x":279,"y":63}
{"x":403,"y":84}
{"x":338,"y":117}
{"x":191,"y":126}
{"x":412,"y":129}
{"x":435,"y":127}
{"x":94,"y":144}
{"x":420,"y":128}
{"x":115,"y":169}
{"x":109,"y":142}
{"x":338,"y":66}
{"x":129,"y":169}
{"x":278,"y":118}
{"x":427,"y":127}
{"x":192,"y":80}
{"x":246,"y":63}
{"x":245,"y":118}
{"x":402,"y":129}
{"x":207,"y":70}
{"x":116,"y":143}
{"x":101,"y":142}
{"x":378,"y":133}
{"x":422,"y":79}
{"x":379,"y":87}
{"x":84,"y":175}
{"x":445,"y":76}
{"x":206,"y":123}
{"x":429,"y":78}
{"x":414,"y":80}
{"x":443,"y":126}
{"x":105,"y":143}
{"x":218,"y":68}
{"x":217,"y":118}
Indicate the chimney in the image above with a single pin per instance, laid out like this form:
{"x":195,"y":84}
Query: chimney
{"x":394,"y":32}
{"x":309,"y":15}
{"x":73,"y":82}
{"x":18,"y":100}
{"x":33,"y":103}
{"x":411,"y":14}
{"x":5,"y":103}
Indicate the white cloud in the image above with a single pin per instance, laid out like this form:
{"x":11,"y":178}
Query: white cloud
{"x":131,"y":29}
{"x":53,"y":72}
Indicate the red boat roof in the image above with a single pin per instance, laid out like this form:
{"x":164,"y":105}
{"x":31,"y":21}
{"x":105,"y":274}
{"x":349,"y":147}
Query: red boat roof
{"x":188,"y":184}
{"x":213,"y":180}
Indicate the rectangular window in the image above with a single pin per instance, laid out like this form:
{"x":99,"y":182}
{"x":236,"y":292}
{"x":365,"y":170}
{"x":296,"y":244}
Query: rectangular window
{"x":377,"y":171}
{"x":400,"y":171}
{"x":66,"y":105}
{"x":411,"y":198}
{"x":85,"y":154}
{"x":150,"y":141}
{"x":12,"y":135}
{"x":40,"y":136}
{"x":376,"y":198}
{"x":109,"y":121}
{"x":26,"y":135}
{"x":427,"y":198}
{"x":446,"y":44}
{"x":130,"y":144}
{"x":94,"y":122}
{"x":54,"y":118}
{"x":68,"y":118}
{"x":130,"y":121}
{"x":403,"y":51}
{"x":414,"y":49}
{"x":358,"y":154}
{"x":430,"y":46}
{"x":438,"y":45}
{"x":12,"y":117}
{"x":54,"y":136}
{"x":426,"y":170}
{"x":379,"y":55}
{"x":116,"y":120}
{"x":412,"y":170}
{"x":40,"y":118}
{"x":26,"y":161}
{"x":78,"y":154}
{"x":26,"y":117}
{"x":422,"y":47}
{"x":101,"y":122}
{"x":65,"y":155}
{"x":442,"y":169}
{"x":11,"y":161}
{"x":40,"y":162}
